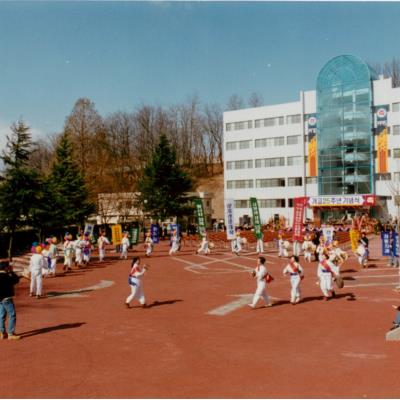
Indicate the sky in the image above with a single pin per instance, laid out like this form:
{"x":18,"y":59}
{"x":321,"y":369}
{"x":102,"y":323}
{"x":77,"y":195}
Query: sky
{"x":123,"y":54}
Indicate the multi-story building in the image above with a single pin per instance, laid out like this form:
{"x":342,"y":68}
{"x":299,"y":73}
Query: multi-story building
{"x":342,"y":139}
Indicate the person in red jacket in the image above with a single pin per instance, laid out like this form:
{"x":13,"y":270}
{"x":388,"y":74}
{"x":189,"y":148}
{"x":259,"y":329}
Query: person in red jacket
{"x":7,"y":281}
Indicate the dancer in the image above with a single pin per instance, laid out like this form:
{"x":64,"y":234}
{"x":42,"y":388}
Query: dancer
{"x":78,"y":248}
{"x":296,"y":273}
{"x":68,"y":248}
{"x":237,"y":244}
{"x":260,"y":245}
{"x":125,"y":246}
{"x":148,"y":244}
{"x":87,"y":249}
{"x":326,"y":272}
{"x":36,"y":265}
{"x":53,"y":254}
{"x":135,"y":282}
{"x":308,"y":248}
{"x":101,"y":243}
{"x":260,"y":273}
{"x":174,"y":243}
{"x":204,"y":245}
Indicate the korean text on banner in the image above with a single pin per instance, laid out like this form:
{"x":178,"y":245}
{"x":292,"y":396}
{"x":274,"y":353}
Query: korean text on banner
{"x":229,"y":219}
{"x":89,"y":229}
{"x":312,"y":145}
{"x":134,"y":233}
{"x":154,"y":232}
{"x":298,"y":215}
{"x":201,"y":219}
{"x":382,"y":139}
{"x":385,"y":238}
{"x":116,"y":234}
{"x":256,"y":218}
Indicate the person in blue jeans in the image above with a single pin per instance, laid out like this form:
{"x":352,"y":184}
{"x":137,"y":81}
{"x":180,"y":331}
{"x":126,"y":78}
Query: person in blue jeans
{"x":8,"y":279}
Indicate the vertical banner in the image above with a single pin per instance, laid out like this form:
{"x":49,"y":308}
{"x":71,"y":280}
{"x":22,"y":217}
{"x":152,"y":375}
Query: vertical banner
{"x":154,"y":232}
{"x":256,"y":218}
{"x":395,"y":244}
{"x":382,"y":139}
{"x":312,"y":145}
{"x":299,"y":204}
{"x":116,"y":234}
{"x":327,"y":232}
{"x":89,"y":229}
{"x":229,"y":219}
{"x":134,"y":235}
{"x":385,"y":238}
{"x":201,"y":220}
{"x":175,"y":227}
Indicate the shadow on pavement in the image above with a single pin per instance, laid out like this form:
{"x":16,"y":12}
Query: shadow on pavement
{"x":163,"y":303}
{"x":52,"y":328}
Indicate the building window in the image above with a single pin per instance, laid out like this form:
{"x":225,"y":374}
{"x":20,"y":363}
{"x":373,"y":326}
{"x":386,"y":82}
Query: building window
{"x":293,"y":139}
{"x":269,"y":142}
{"x":396,"y":107}
{"x":244,"y":144}
{"x":241,"y":164}
{"x":396,"y":153}
{"x":272,"y":203}
{"x":240,"y":184}
{"x":293,"y":119}
{"x":297,"y":160}
{"x":290,"y":203}
{"x":295,"y":181}
{"x":311,"y":179}
{"x":272,"y":182}
{"x":229,"y":127}
{"x":270,"y":162}
{"x":383,"y":177}
{"x":231,"y":145}
{"x":396,"y":129}
{"x":242,"y":203}
{"x":267,"y":122}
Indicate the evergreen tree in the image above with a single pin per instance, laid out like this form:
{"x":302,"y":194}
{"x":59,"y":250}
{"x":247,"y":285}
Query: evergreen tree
{"x":67,"y":196}
{"x":19,"y":183}
{"x":164,"y":184}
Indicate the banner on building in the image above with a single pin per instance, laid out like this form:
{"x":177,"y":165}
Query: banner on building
{"x":312,"y":145}
{"x":356,"y":200}
{"x":154,"y":233}
{"x":116,"y":234}
{"x":256,"y":218}
{"x":299,"y":205}
{"x":327,"y":232}
{"x":229,"y":219}
{"x":382,"y":148}
{"x":134,"y":235}
{"x":201,"y":219}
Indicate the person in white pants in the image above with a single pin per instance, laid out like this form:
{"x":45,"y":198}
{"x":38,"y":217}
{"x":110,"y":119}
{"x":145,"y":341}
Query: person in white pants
{"x":260,"y":245}
{"x":308,"y":248}
{"x":53,"y":254}
{"x":260,"y":273}
{"x":326,"y":271}
{"x":124,"y":246}
{"x":362,"y":254}
{"x":101,"y":243}
{"x":148,"y":244}
{"x":68,"y":248}
{"x":174,"y":243}
{"x":237,"y":244}
{"x":295,"y":271}
{"x":36,"y":265}
{"x":135,"y":282}
{"x":204,"y":245}
{"x":78,"y":248}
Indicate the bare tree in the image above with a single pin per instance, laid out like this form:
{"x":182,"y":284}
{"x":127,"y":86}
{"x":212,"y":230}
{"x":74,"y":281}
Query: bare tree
{"x":235,"y":102}
{"x":214,"y":127}
{"x":256,"y":100}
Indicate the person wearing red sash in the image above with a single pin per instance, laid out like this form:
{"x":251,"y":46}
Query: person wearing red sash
{"x":326,"y":271}
{"x":135,"y":282}
{"x":296,"y":273}
{"x":260,"y":272}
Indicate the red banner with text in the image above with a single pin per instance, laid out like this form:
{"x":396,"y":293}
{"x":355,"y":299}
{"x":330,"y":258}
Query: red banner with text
{"x":299,"y":204}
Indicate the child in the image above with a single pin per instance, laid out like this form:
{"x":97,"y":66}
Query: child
{"x":361,"y":253}
{"x":295,"y":271}
{"x":260,"y":273}
{"x":174,"y":243}
{"x":87,"y":249}
{"x":101,"y":243}
{"x":68,"y":248}
{"x":135,"y":282}
{"x":237,"y":244}
{"x":260,"y":245}
{"x":308,"y":248}
{"x":124,"y":246}
{"x":53,"y":254}
{"x":326,"y":272}
{"x":148,"y":244}
{"x":204,"y":245}
{"x":78,"y":248}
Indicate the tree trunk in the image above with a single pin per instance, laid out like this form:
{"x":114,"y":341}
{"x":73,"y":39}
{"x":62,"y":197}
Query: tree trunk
{"x":10,"y":244}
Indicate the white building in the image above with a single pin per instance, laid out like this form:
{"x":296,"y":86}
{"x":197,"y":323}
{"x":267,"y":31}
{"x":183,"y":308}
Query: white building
{"x":266,"y":148}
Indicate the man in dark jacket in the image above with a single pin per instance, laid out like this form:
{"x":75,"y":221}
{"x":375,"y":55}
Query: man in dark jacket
{"x":7,"y":281}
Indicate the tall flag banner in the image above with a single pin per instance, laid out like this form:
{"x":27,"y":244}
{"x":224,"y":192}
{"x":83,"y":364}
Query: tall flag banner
{"x":382,"y":139}
{"x":312,"y":145}
{"x":134,"y":235}
{"x":385,"y":238}
{"x":201,"y":219}
{"x":116,"y":234}
{"x":327,"y":232}
{"x":299,"y":205}
{"x":154,"y":232}
{"x":256,"y":218}
{"x":229,"y":219}
{"x":89,"y":229}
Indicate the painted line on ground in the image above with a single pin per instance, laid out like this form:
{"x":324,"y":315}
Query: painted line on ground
{"x":371,"y":285}
{"x":78,"y":292}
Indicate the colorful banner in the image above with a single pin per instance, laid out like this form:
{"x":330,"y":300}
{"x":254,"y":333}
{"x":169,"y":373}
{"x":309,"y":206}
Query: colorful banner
{"x":382,"y":139}
{"x":385,"y":238}
{"x":256,"y":218}
{"x":89,"y":229}
{"x":175,"y":227}
{"x":312,"y":145}
{"x":299,"y":205}
{"x":365,"y":200}
{"x":154,"y":232}
{"x":229,"y":219}
{"x":116,"y":234}
{"x":327,"y":232}
{"x":201,"y":219}
{"x":134,"y":236}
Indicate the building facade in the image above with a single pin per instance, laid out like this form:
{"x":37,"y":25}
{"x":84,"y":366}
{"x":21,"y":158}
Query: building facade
{"x":342,"y":139}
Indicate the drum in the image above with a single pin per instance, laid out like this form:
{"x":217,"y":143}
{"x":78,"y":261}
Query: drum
{"x":339,"y":282}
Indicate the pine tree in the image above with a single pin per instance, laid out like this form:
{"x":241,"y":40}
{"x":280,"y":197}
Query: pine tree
{"x":19,"y":183}
{"x":67,"y":202}
{"x":164,"y":184}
